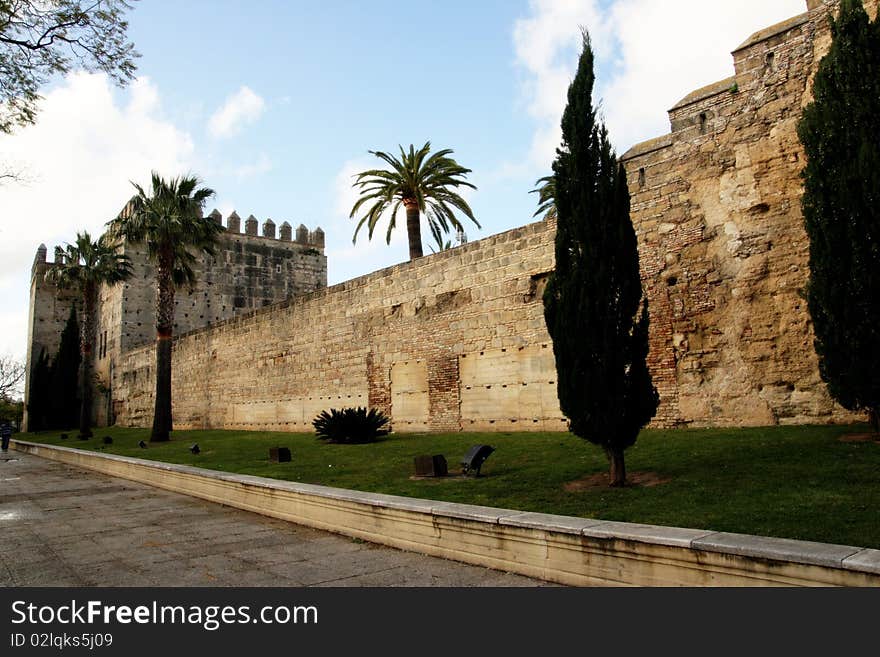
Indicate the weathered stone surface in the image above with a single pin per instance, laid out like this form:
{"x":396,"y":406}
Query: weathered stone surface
{"x":246,"y":273}
{"x":807,"y":552}
{"x":394,"y":340}
{"x":725,"y":268}
{"x":548,"y":522}
{"x":655,"y":534}
{"x":864,"y":560}
{"x":49,"y":310}
{"x":457,"y":341}
{"x":472,"y":512}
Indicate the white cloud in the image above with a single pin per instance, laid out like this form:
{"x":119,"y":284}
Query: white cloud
{"x":241,"y":108}
{"x":263,"y":164}
{"x":546,"y":45}
{"x":657,"y":51}
{"x":661,"y":65}
{"x":80,"y":156}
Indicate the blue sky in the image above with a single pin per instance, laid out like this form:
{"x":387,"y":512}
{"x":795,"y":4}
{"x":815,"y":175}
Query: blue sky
{"x":338,"y":80}
{"x":275,"y":104}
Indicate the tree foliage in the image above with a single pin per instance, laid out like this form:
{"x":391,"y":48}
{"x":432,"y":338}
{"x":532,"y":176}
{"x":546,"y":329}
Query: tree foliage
{"x":11,"y":411}
{"x":84,"y":266}
{"x":64,"y":394}
{"x":53,"y":395}
{"x":593,"y":304}
{"x":11,"y":376}
{"x":545,"y":188}
{"x":38,"y":393}
{"x":841,"y":206}
{"x":168,"y":219}
{"x":422,"y":184}
{"x":39,"y":39}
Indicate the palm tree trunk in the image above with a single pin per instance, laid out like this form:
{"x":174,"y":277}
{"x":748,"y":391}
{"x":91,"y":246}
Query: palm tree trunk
{"x":162,"y":423}
{"x":413,"y":230}
{"x":87,"y":339}
{"x":618,"y":467}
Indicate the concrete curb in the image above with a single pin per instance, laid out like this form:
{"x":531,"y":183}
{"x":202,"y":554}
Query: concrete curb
{"x":568,"y":550}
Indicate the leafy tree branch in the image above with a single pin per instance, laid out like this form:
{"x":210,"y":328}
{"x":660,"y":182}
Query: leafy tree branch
{"x":39,"y":39}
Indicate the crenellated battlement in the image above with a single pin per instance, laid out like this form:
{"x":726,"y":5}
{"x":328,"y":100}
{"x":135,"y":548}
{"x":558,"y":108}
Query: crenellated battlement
{"x":303,"y":236}
{"x":762,"y":63}
{"x":42,"y":263}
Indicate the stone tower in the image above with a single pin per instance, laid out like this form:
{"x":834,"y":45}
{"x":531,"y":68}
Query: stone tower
{"x":247,"y":272}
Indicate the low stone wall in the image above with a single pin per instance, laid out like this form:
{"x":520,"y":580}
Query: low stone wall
{"x":568,"y":550}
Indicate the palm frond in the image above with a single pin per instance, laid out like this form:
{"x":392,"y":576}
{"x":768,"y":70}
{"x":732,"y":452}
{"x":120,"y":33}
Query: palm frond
{"x":417,"y":178}
{"x":168,"y":219}
{"x":88,"y":263}
{"x":545,"y":188}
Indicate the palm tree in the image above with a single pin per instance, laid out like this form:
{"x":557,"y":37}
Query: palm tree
{"x":169,"y":221}
{"x":546,"y":190}
{"x":421,"y":184}
{"x":445,"y":244}
{"x":86,"y":265}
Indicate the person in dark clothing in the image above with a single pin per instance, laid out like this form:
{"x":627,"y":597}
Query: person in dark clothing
{"x":5,"y":433}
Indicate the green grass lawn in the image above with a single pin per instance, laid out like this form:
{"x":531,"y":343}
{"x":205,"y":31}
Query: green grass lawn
{"x":793,"y":482}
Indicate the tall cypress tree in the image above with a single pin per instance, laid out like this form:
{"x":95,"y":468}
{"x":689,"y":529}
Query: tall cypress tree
{"x":63,"y":397}
{"x":38,"y":393}
{"x":593,"y":304}
{"x":841,"y":206}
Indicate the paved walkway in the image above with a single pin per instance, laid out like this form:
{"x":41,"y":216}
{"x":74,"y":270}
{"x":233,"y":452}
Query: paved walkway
{"x":62,"y":526}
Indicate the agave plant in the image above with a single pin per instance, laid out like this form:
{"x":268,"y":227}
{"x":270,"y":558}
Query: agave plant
{"x":350,"y":426}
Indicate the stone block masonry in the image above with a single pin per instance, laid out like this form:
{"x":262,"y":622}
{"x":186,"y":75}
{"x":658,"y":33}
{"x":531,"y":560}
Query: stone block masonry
{"x":399,"y":340}
{"x":246,"y":272}
{"x":48,"y":312}
{"x":457,"y":340}
{"x":716,"y":205}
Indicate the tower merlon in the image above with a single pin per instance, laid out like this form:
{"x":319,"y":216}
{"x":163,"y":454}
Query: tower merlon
{"x":286,"y":232}
{"x":233,"y":222}
{"x":270,"y":230}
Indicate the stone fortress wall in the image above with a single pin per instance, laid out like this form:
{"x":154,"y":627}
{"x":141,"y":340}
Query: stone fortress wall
{"x":457,"y":341}
{"x":248,"y":271}
{"x":447,"y":342}
{"x":48,"y":312}
{"x":716,"y":205}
